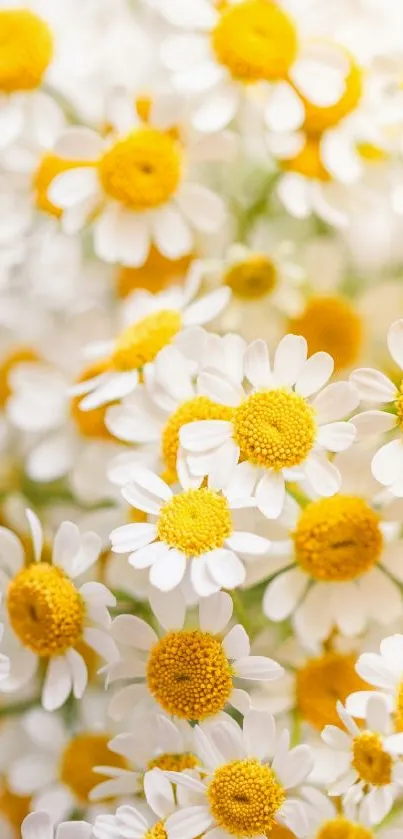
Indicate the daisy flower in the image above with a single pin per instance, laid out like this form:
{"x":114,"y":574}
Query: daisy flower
{"x":374,"y":775}
{"x":206,"y":659}
{"x":135,"y":184}
{"x":156,"y":741}
{"x":373,"y":386}
{"x":340,"y":566}
{"x":245,"y":789}
{"x":328,"y":821}
{"x":48,"y":615}
{"x":39,"y":825}
{"x":277,"y":428}
{"x":142,"y":823}
{"x":151,"y":417}
{"x":384,"y":672}
{"x":152,"y":322}
{"x":192,"y":529}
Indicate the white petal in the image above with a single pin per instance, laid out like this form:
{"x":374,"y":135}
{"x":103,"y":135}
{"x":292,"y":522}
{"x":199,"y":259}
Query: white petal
{"x":188,"y":823}
{"x":259,"y":733}
{"x":383,"y":599}
{"x":217,"y":110}
{"x":36,"y":533}
{"x":373,"y":422}
{"x":125,"y":700}
{"x":373,"y":669}
{"x":313,"y":619}
{"x":203,"y":208}
{"x":335,"y":402}
{"x":169,"y":609}
{"x":285,"y":110}
{"x":258,"y":667}
{"x":131,"y":630}
{"x":373,"y":386}
{"x":270,"y":494}
{"x":204,"y":435}
{"x":207,"y":308}
{"x":172,"y":234}
{"x":102,"y":643}
{"x":37,"y":826}
{"x":199,"y":16}
{"x":284,"y":593}
{"x":220,"y":390}
{"x":336,"y":738}
{"x":57,"y":685}
{"x":131,"y":537}
{"x":225,"y":568}
{"x":66,"y":545}
{"x":201,"y":579}
{"x":295,"y":767}
{"x":215,"y":612}
{"x":11,"y":552}
{"x":116,"y":386}
{"x":78,"y":671}
{"x":336,"y":436}
{"x":222,"y":471}
{"x":257,"y":364}
{"x":395,"y":342}
{"x":145,"y":557}
{"x":79,"y":143}
{"x":72,"y":187}
{"x":236,"y":642}
{"x":348,"y":608}
{"x":314,"y":374}
{"x":169,"y":571}
{"x":392,"y":649}
{"x":248,"y":543}
{"x":387,"y":464}
{"x":323,"y":475}
{"x":377,"y":716}
{"x":159,"y":793}
{"x":289,"y":359}
{"x":293,"y":815}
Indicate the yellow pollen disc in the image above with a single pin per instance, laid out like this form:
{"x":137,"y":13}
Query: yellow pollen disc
{"x":157,"y":274}
{"x":337,"y":538}
{"x":341,"y":828}
{"x":14,"y":808}
{"x":399,"y":709}
{"x":143,"y":170}
{"x":174,"y":762}
{"x":370,"y":761}
{"x":142,"y":341}
{"x":156,"y":832}
{"x":90,"y":423}
{"x":308,"y":161}
{"x":255,"y":40}
{"x":198,"y":408}
{"x":45,"y":609}
{"x":399,"y":407}
{"x":318,"y":119}
{"x":244,"y":797}
{"x":253,"y":278}
{"x":321,"y":682}
{"x":195,"y":521}
{"x":331,"y":324}
{"x":50,"y":166}
{"x":19,"y":355}
{"x":189,"y":675}
{"x":26,"y":50}
{"x":80,"y":756}
{"x":274,"y":429}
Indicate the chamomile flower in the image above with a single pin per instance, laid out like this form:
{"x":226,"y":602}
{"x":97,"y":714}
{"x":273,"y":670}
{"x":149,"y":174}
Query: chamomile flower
{"x":136,"y":185}
{"x":384,"y":672}
{"x":374,"y":386}
{"x":374,"y":775}
{"x":342,"y":564}
{"x":245,"y":787}
{"x":153,"y":415}
{"x":280,"y":429}
{"x":47,"y":615}
{"x":142,"y":823}
{"x":192,"y":532}
{"x":188,"y":673}
{"x":39,"y":825}
{"x":152,"y":323}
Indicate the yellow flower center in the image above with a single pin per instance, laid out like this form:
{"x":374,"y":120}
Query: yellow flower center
{"x":169,"y":762}
{"x":318,"y":119}
{"x":141,"y":342}
{"x":244,"y":797}
{"x":26,"y":50}
{"x":198,"y":408}
{"x":90,"y":423}
{"x":50,"y":166}
{"x":278,"y":831}
{"x":45,"y":609}
{"x":341,"y":828}
{"x":189,"y":675}
{"x":156,"y":274}
{"x":308,"y":161}
{"x":255,"y":40}
{"x":371,"y":153}
{"x":370,"y":761}
{"x":253,"y":278}
{"x":321,"y":682}
{"x":19,"y":355}
{"x":143,"y":170}
{"x":80,"y":756}
{"x":156,"y":832}
{"x":195,"y":521}
{"x":338,"y":538}
{"x":399,"y":407}
{"x":14,"y":808}
{"x":331,"y":324}
{"x":274,"y":429}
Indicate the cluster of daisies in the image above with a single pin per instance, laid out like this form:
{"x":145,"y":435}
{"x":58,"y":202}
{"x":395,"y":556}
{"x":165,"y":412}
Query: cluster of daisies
{"x":201,"y":419}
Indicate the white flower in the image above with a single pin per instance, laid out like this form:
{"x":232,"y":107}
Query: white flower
{"x":139,"y":822}
{"x":340,"y":563}
{"x":374,"y":386}
{"x":384,"y":671}
{"x":206,"y":660}
{"x":278,"y":430}
{"x":153,"y":321}
{"x":137,"y":183}
{"x":374,"y":775}
{"x":247,"y":780}
{"x":38,"y":825}
{"x":192,"y":529}
{"x":47,"y":615}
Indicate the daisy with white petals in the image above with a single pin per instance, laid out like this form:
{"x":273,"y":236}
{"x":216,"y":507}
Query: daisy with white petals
{"x":249,"y":785}
{"x":47,"y":615}
{"x":189,"y":673}
{"x":136,"y":185}
{"x":384,"y":672}
{"x":373,"y":777}
{"x":192,"y":532}
{"x":39,"y":825}
{"x":140,"y":822}
{"x":373,"y":386}
{"x":282,"y":428}
{"x":151,"y":322}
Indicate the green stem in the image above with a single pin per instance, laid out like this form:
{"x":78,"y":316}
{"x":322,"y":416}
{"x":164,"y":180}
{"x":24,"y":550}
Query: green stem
{"x":240,"y":611}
